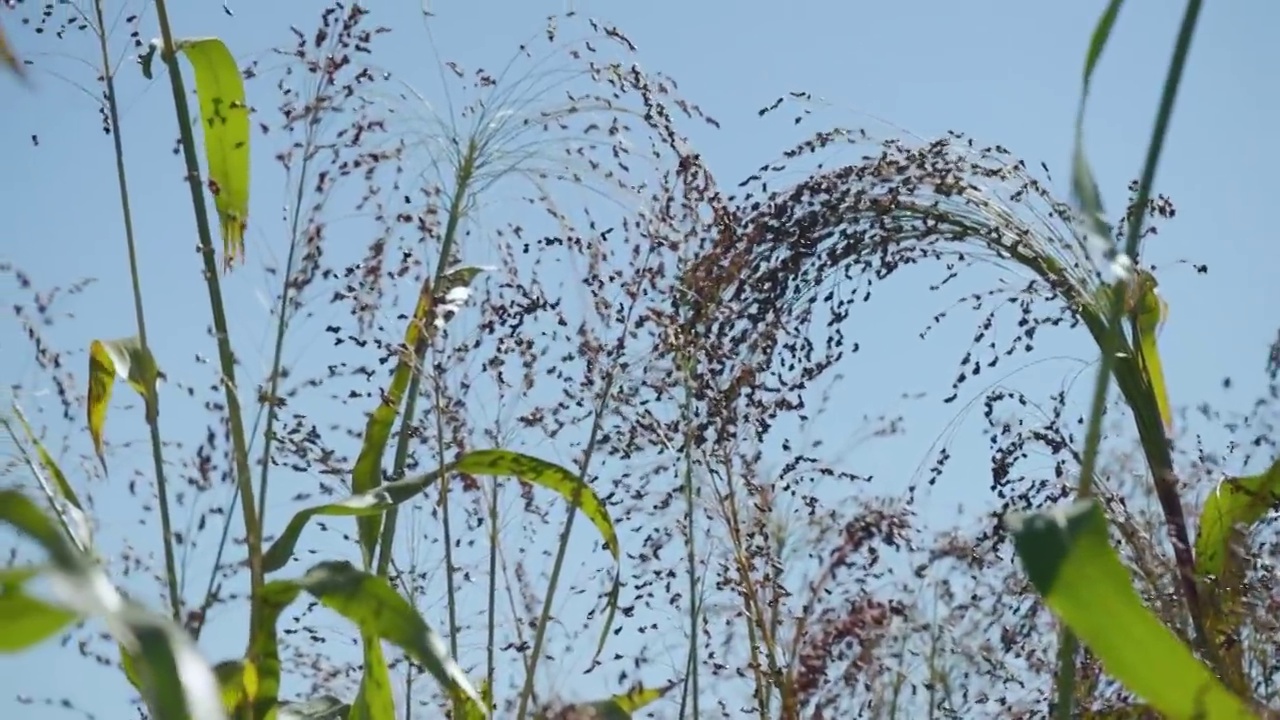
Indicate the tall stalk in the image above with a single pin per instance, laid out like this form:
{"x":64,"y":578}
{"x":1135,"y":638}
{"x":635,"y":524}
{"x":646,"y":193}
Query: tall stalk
{"x":226,"y":358}
{"x":1113,"y":339}
{"x":153,"y":400}
{"x":691,"y":689}
{"x":457,"y":205}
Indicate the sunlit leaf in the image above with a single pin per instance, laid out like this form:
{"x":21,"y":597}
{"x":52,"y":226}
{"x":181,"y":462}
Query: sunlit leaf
{"x":176,"y":682}
{"x":1234,"y":505}
{"x":373,"y":502}
{"x":473,"y":711}
{"x":46,"y":460}
{"x":373,"y":606}
{"x":26,"y":621}
{"x":367,"y":473}
{"x":1070,"y":561}
{"x":1084,"y":188}
{"x":618,"y":707}
{"x":569,"y":486}
{"x":109,"y":359}
{"x":373,"y":701}
{"x":1147,"y":313}
{"x":224,"y":115}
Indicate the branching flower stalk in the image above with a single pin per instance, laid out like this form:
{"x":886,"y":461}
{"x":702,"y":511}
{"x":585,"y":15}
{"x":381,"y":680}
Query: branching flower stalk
{"x":153,"y":402}
{"x":226,"y":357}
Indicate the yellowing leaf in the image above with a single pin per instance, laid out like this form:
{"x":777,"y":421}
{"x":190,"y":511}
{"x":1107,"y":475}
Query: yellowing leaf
{"x":224,"y":115}
{"x":109,"y":359}
{"x":1147,"y":313}
{"x":1235,"y":504}
{"x":618,"y":707}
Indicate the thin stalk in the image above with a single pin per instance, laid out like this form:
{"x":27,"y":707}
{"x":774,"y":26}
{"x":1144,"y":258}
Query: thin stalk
{"x":691,"y":688}
{"x":544,"y":619}
{"x":1064,"y":708}
{"x":50,"y":495}
{"x":282,"y":324}
{"x":492,"y":619}
{"x":466,"y":170}
{"x":152,"y":402}
{"x":750,"y":596}
{"x":226,"y":358}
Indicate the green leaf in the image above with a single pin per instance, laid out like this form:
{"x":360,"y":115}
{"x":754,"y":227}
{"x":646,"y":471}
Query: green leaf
{"x":373,"y":502}
{"x":1070,"y":561}
{"x":367,"y":473}
{"x":374,"y":701}
{"x":1084,"y":188}
{"x":1147,"y":313}
{"x":109,"y":359}
{"x":373,"y":606}
{"x":1236,"y":503}
{"x":176,"y":682}
{"x":224,"y":115}
{"x":50,"y":465}
{"x":569,"y":486}
{"x":618,"y":707}
{"x":26,"y":621}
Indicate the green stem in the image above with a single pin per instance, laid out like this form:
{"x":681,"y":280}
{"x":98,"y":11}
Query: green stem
{"x":691,"y":689}
{"x":492,"y":620}
{"x":466,"y":170}
{"x":1113,"y":338}
{"x":226,"y":358}
{"x":544,"y":619}
{"x":153,"y":402}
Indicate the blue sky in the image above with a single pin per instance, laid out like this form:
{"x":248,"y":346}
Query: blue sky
{"x":1002,"y":72}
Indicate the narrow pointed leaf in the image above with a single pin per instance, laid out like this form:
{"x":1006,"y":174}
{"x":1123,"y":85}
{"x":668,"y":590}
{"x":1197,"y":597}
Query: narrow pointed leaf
{"x":26,"y":621}
{"x":373,"y":606}
{"x":176,"y":682}
{"x":374,"y":701}
{"x":569,"y":486}
{"x":367,"y":473}
{"x":1069,"y":559}
{"x":618,"y":707}
{"x":110,"y":359}
{"x":1084,"y":188}
{"x":1235,"y":504}
{"x":373,"y":502}
{"x":224,"y":117}
{"x":50,"y":465}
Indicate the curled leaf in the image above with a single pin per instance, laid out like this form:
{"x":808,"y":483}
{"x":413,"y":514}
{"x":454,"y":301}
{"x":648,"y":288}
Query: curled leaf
{"x":1147,"y":313}
{"x":126,"y":359}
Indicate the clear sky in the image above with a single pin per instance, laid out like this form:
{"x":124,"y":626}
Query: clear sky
{"x":1003,"y":72}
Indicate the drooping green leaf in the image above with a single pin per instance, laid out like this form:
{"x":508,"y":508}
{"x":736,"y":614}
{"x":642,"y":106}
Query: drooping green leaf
{"x":1147,"y":313}
{"x":575,"y":491}
{"x":367,"y":473}
{"x":26,"y":621}
{"x":109,"y":359}
{"x":618,"y":707}
{"x":1235,"y":504}
{"x":1084,"y":188}
{"x":373,"y":502}
{"x":176,"y":682}
{"x":224,"y":116}
{"x":1069,"y":559}
{"x":373,"y":606}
